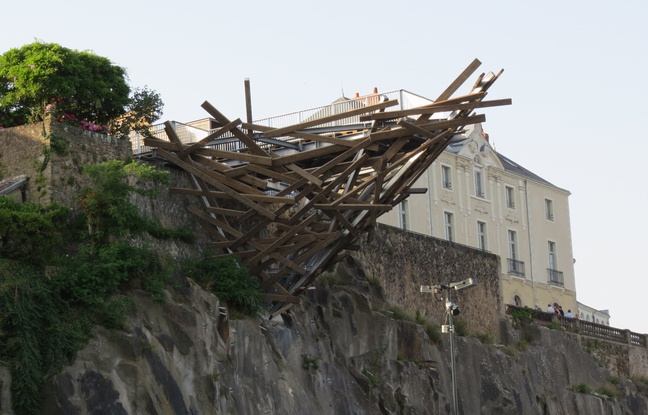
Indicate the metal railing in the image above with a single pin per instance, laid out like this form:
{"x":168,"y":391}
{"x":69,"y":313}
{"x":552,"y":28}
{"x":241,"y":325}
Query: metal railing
{"x":585,"y":328}
{"x":516,"y":267}
{"x":556,"y":277}
{"x":228,"y":142}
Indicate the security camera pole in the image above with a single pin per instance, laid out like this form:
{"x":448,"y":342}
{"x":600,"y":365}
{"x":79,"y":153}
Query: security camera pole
{"x":451,"y":310}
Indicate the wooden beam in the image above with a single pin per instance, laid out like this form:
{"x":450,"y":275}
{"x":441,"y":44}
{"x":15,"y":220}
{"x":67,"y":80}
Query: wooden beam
{"x":435,"y":109}
{"x":225,"y":129}
{"x":456,"y":84}
{"x":254,"y":148}
{"x":191,"y":169}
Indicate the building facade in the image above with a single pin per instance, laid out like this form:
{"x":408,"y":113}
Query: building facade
{"x":480,"y":198}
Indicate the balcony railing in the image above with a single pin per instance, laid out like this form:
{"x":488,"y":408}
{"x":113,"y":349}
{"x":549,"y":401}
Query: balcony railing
{"x":189,"y":134}
{"x":585,"y":328}
{"x":516,"y":267}
{"x":556,"y":277}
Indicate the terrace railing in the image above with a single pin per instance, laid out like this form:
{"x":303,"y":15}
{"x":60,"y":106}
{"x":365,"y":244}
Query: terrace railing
{"x":584,"y":328}
{"x":189,"y":134}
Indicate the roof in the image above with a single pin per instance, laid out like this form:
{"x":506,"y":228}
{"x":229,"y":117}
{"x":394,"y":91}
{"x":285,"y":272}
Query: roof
{"x":513,"y":167}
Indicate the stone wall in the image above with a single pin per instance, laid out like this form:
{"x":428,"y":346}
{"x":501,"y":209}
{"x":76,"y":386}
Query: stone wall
{"x":402,"y":261}
{"x":78,"y":148}
{"x":52,"y":155}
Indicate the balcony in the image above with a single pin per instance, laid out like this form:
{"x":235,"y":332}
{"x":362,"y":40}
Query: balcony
{"x":556,"y":277}
{"x":516,"y":267}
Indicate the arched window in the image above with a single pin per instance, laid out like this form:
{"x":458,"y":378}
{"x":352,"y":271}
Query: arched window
{"x":517,"y":301}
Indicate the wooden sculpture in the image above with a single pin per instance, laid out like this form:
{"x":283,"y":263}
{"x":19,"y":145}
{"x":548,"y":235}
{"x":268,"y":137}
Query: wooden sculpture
{"x":288,"y":201}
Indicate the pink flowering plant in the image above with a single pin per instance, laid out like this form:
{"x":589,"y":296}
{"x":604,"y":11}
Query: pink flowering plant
{"x":75,"y":87}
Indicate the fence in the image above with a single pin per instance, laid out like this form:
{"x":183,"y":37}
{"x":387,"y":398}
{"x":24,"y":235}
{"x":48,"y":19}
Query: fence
{"x":189,"y":134}
{"x":584,"y":328}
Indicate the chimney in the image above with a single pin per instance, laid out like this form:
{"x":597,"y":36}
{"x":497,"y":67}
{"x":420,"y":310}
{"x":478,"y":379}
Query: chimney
{"x":375,"y":90}
{"x":485,"y":135}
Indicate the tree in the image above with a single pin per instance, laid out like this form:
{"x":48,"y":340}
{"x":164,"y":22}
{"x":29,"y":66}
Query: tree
{"x":80,"y":86}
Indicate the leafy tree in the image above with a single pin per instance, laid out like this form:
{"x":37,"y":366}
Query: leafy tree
{"x":106,"y":201}
{"x":80,"y":86}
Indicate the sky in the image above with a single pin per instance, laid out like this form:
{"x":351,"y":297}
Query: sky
{"x":576,"y":72}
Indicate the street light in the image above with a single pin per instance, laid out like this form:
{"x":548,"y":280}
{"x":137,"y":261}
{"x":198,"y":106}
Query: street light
{"x":451,"y":310}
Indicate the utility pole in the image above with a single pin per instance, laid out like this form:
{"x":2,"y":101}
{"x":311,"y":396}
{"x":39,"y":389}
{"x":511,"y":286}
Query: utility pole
{"x":451,"y":310}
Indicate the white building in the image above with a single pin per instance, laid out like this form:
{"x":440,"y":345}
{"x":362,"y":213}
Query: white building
{"x":480,"y":198}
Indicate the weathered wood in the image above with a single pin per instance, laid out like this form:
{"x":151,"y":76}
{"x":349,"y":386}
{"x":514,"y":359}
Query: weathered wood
{"x":254,"y":148}
{"x":296,"y":210}
{"x":225,"y":129}
{"x":436,"y":109}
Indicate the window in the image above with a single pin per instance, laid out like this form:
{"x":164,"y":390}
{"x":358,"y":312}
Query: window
{"x":512,"y":245}
{"x":479,"y":183}
{"x":446,"y":177}
{"x":448,"y":226}
{"x":510,"y":197}
{"x":549,"y":209}
{"x":402,"y":215}
{"x":515,"y":267}
{"x":481,"y":235}
{"x":552,"y":255}
{"x":517,"y":300}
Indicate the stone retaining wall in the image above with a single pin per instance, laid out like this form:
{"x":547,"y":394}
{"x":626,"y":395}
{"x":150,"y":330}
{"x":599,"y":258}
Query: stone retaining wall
{"x":402,"y":261}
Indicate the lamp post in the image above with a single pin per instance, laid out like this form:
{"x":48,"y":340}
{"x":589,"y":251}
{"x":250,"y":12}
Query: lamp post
{"x":451,"y":310}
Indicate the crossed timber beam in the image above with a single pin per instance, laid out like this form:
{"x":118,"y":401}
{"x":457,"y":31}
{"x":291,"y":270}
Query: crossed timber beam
{"x":288,"y":211}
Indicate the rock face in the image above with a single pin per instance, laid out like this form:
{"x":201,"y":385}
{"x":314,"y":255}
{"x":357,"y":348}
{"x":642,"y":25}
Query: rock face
{"x":332,"y":355}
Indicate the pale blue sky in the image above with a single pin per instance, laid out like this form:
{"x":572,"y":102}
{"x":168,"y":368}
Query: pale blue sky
{"x":576,"y":72}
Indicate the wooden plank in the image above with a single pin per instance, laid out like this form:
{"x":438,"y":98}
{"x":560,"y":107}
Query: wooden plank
{"x":250,"y":143}
{"x":306,"y":155}
{"x":456,"y":84}
{"x":437,"y":108}
{"x":305,"y":174}
{"x":353,"y":206}
{"x":225,"y":195}
{"x":239,"y":156}
{"x":218,"y":223}
{"x":270,"y":173}
{"x":281,"y":298}
{"x":210,"y":137}
{"x":191,"y":169}
{"x":434,"y":125}
{"x":173,"y":137}
{"x":296,"y":127}
{"x":414,"y":129}
{"x":295,"y":230}
{"x":306,"y":136}
{"x":417,"y":191}
{"x":154,"y":142}
{"x":224,"y":212}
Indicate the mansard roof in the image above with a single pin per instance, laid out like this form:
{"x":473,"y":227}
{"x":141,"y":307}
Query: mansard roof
{"x":513,"y":167}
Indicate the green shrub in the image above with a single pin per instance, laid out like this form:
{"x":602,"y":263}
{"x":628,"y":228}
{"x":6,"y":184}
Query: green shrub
{"x":310,"y":362}
{"x":581,"y":388}
{"x":229,"y":281}
{"x":460,"y":327}
{"x":610,"y":392}
{"x":484,"y":338}
{"x":523,"y":316}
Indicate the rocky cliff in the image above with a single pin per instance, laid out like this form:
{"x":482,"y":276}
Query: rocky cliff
{"x":339,"y":352}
